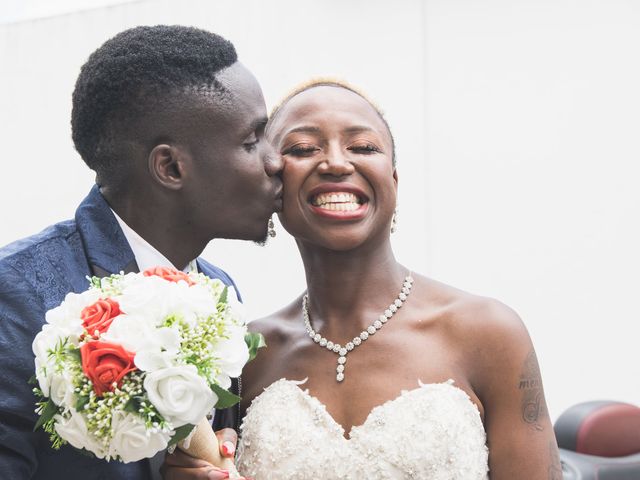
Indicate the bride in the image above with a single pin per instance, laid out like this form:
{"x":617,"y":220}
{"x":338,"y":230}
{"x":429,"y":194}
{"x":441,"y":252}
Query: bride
{"x":377,"y":372}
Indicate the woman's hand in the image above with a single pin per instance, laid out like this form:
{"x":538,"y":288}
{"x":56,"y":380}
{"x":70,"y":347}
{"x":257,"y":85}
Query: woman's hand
{"x":180,"y":466}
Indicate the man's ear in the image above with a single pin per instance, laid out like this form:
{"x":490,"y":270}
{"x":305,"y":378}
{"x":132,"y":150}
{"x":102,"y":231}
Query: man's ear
{"x":167,"y":166}
{"x":395,"y":177}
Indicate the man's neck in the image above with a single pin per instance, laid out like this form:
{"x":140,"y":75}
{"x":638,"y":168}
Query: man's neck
{"x":146,"y":255}
{"x":155,"y":230}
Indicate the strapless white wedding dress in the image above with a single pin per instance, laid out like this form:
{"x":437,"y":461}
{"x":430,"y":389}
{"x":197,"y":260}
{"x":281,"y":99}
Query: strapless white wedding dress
{"x":431,"y":433}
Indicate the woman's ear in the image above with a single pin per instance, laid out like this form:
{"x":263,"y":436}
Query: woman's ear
{"x":167,"y":166}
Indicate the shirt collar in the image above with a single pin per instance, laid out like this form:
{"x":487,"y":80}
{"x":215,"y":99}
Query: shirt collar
{"x":146,"y":255}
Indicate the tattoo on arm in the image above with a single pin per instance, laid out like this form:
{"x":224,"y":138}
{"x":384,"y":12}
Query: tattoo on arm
{"x":530,"y":386}
{"x":555,"y":468}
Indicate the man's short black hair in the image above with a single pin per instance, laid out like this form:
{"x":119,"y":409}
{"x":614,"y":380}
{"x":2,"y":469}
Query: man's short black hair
{"x":129,"y":79}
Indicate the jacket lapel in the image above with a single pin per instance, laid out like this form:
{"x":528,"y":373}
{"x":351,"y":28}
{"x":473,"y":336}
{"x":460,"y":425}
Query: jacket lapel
{"x":105,"y":245}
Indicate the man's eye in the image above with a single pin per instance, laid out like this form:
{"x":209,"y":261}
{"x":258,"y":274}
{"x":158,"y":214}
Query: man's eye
{"x":251,"y":146}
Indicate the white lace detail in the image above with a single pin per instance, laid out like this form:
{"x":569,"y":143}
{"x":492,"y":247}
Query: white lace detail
{"x":431,"y":433}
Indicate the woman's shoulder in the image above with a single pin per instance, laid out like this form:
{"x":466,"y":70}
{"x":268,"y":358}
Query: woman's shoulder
{"x":484,"y":330}
{"x":490,"y":335}
{"x":281,"y":325}
{"x":468,"y":312}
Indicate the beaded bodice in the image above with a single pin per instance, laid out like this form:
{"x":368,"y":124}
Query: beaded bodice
{"x":431,"y":433}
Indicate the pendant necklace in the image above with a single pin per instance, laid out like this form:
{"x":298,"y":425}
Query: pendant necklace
{"x":342,"y":351}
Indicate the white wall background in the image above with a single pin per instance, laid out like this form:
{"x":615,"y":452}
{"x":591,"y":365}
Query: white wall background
{"x":517,"y":128}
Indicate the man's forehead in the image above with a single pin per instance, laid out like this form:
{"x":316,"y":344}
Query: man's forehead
{"x":239,"y":82}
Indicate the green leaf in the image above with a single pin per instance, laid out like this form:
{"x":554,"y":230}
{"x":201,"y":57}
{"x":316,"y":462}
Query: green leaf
{"x":223,"y":295}
{"x":75,"y":353}
{"x":226,"y":399}
{"x":95,"y":282}
{"x":48,"y":411}
{"x":181,"y":433}
{"x":84,"y":453}
{"x":81,"y":402}
{"x":254,"y":341}
{"x":133,"y":405}
{"x":33,"y":380}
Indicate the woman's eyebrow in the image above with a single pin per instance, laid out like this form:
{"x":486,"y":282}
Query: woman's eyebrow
{"x":358,"y":129}
{"x":304,"y":129}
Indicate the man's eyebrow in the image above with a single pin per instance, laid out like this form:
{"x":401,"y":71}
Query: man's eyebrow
{"x":259,"y":123}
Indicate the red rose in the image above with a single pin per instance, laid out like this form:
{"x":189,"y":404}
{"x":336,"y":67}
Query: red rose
{"x":105,"y":364}
{"x":168,"y":273}
{"x":99,"y":316}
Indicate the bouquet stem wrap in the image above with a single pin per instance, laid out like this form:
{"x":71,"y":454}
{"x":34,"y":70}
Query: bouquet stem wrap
{"x":204,"y":444}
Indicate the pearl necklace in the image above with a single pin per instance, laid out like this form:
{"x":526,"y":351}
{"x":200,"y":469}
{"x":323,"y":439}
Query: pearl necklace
{"x":356,"y":341}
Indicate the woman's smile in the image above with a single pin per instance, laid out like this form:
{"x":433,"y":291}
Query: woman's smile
{"x":338,"y":201}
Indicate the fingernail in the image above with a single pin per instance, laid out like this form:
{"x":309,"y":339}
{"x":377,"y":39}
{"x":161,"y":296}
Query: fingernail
{"x":218,"y":474}
{"x":228,"y":449}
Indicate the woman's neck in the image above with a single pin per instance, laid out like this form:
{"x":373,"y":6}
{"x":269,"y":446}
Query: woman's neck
{"x":354,"y":286}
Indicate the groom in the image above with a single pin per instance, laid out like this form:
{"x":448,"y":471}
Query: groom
{"x":173,"y":125}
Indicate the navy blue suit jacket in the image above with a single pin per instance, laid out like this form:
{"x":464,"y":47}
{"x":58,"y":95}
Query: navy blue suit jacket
{"x":35,"y":275}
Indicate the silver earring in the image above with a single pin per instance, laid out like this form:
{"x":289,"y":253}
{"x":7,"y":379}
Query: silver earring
{"x":271,"y":228}
{"x":394,"y":221}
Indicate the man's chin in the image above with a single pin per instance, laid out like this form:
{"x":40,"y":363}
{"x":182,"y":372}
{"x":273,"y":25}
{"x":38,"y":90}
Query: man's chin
{"x":262,"y":241}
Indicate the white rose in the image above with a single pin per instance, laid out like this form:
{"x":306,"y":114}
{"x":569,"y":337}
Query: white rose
{"x":146,"y":297}
{"x":191,"y":303}
{"x":136,"y":333}
{"x":130,"y":279}
{"x":66,"y":317}
{"x":233,"y":354}
{"x":150,"y":360}
{"x":132,"y":441}
{"x":74,"y":431}
{"x":44,"y":341}
{"x":61,"y":389}
{"x":180,"y":394}
{"x":237,"y":310}
{"x":42,"y":375}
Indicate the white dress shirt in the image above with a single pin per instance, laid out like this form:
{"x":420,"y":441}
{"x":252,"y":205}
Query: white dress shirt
{"x":148,"y":257}
{"x":145,"y":254}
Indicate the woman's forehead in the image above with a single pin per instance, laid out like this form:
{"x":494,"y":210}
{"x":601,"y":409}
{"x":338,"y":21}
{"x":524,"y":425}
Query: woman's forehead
{"x":322,"y":103}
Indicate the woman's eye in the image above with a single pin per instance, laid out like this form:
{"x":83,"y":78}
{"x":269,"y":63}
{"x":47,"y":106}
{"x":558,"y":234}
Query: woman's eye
{"x":364,"y":148}
{"x":300,"y":150}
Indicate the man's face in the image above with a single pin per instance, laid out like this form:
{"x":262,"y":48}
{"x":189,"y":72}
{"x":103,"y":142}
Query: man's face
{"x":233,"y":183}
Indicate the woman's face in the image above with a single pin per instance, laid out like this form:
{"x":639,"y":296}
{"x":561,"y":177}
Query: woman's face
{"x":339,"y":182}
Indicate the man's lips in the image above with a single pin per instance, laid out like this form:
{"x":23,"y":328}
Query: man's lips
{"x":278,"y":198}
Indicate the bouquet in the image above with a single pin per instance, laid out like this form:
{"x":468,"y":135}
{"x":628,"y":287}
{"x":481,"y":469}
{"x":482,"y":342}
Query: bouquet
{"x":130,"y":366}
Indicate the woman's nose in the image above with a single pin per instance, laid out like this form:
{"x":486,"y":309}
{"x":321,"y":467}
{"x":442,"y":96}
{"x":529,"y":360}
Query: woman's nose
{"x":273,"y":162}
{"x":335,"y":163}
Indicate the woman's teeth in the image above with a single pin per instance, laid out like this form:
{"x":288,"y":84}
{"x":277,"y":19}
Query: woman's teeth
{"x":336,"y":201}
